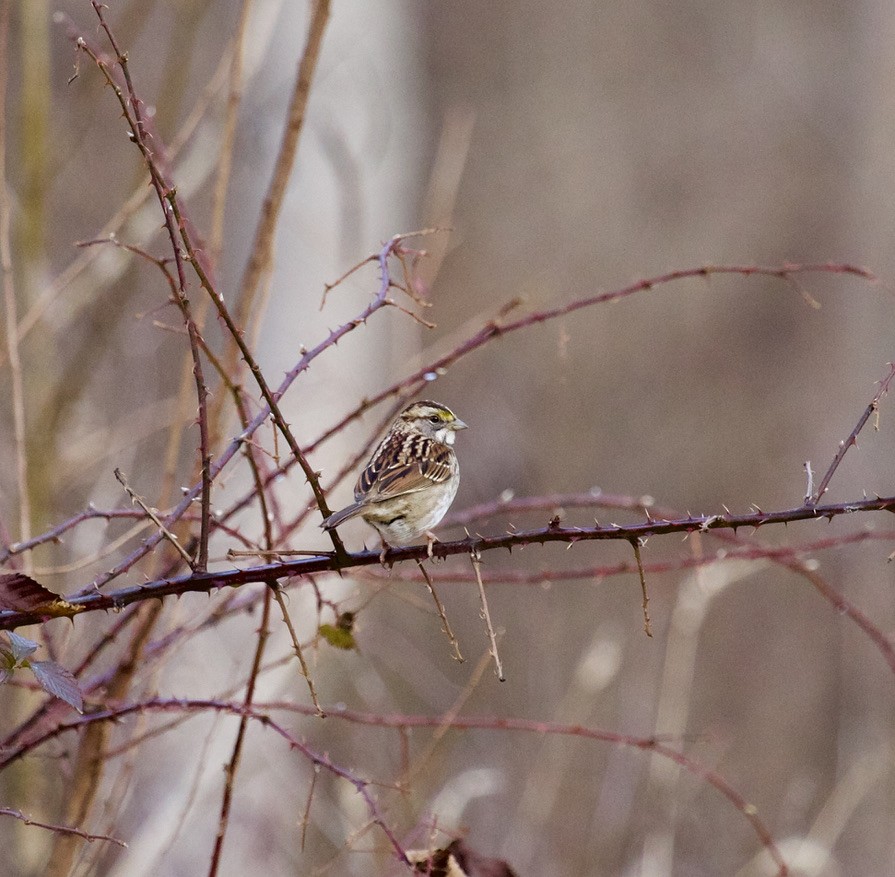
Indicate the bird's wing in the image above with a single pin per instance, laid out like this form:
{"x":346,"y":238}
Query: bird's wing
{"x":404,"y":464}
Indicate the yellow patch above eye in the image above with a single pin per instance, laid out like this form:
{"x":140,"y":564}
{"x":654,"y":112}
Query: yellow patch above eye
{"x":444,"y":416}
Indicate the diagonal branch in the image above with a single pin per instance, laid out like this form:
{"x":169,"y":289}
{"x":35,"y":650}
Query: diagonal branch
{"x":495,"y":329}
{"x":852,"y":440}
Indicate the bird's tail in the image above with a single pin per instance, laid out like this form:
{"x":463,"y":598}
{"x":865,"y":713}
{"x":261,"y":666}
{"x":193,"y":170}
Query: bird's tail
{"x":340,"y":517}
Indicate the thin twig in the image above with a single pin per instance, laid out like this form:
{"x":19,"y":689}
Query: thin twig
{"x":647,"y":629}
{"x":269,"y":397}
{"x":138,"y":500}
{"x":296,"y":646}
{"x":306,"y":813}
{"x":852,"y":439}
{"x":260,"y":712}
{"x":445,"y":624}
{"x":328,"y":287}
{"x":197,"y":342}
{"x":495,"y":329}
{"x":131,"y":109}
{"x":476,"y":564}
{"x":236,"y":755}
{"x":60,"y":829}
{"x":179,"y":705}
{"x":409,"y":771}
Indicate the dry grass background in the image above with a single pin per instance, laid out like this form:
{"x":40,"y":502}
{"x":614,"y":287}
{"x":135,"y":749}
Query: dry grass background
{"x":571,"y":148}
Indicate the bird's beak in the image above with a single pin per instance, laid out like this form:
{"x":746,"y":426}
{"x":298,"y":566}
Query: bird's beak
{"x":459,"y":424}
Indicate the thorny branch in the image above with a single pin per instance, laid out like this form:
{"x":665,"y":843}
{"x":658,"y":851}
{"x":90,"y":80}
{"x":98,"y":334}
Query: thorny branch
{"x":260,"y":712}
{"x":187,"y":249}
{"x":852,"y":440}
{"x":329,"y":562}
{"x":321,"y":759}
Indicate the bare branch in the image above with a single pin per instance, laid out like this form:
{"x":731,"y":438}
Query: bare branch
{"x":60,"y":829}
{"x":138,"y":500}
{"x":852,"y":439}
{"x":647,"y":628}
{"x":445,"y":624}
{"x":329,"y":562}
{"x":476,"y":559}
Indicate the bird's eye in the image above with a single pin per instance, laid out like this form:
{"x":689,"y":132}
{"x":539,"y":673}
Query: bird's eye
{"x":434,"y":418}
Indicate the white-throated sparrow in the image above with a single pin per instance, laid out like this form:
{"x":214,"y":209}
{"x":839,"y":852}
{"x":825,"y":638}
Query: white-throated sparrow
{"x":412,"y":477}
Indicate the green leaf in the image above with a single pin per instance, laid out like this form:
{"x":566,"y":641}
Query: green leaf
{"x":341,"y":634}
{"x":59,"y":682}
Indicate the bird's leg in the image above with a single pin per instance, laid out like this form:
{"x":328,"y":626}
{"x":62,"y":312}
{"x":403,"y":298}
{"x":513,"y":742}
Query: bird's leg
{"x":385,"y":548}
{"x":431,"y":539}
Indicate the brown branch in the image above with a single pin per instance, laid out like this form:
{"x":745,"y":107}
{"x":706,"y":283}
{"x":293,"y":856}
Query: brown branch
{"x":236,"y":755}
{"x":647,"y":627}
{"x":138,"y":500}
{"x":9,"y":302}
{"x":262,"y":246}
{"x":269,"y":573}
{"x":445,"y":624}
{"x":400,"y":722}
{"x":226,"y":454}
{"x":131,"y":109}
{"x":269,"y":397}
{"x":476,"y":560}
{"x":60,"y":829}
{"x":495,"y":329}
{"x":179,"y":705}
{"x":852,"y":440}
{"x":537,"y":577}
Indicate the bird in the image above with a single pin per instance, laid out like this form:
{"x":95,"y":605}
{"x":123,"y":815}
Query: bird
{"x":412,"y":478}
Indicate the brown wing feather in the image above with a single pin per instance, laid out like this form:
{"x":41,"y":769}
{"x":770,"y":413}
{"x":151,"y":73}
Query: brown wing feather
{"x":404,"y":464}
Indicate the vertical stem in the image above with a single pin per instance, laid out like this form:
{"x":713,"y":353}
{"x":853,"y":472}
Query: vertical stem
{"x":34,"y":114}
{"x":476,"y":559}
{"x":647,"y":627}
{"x":262,"y":246}
{"x":236,"y":756}
{"x":9,"y":300}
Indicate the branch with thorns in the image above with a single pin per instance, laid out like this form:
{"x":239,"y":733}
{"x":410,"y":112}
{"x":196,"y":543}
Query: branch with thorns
{"x":324,"y":561}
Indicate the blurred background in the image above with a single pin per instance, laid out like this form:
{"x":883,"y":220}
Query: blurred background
{"x":570,"y":149}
